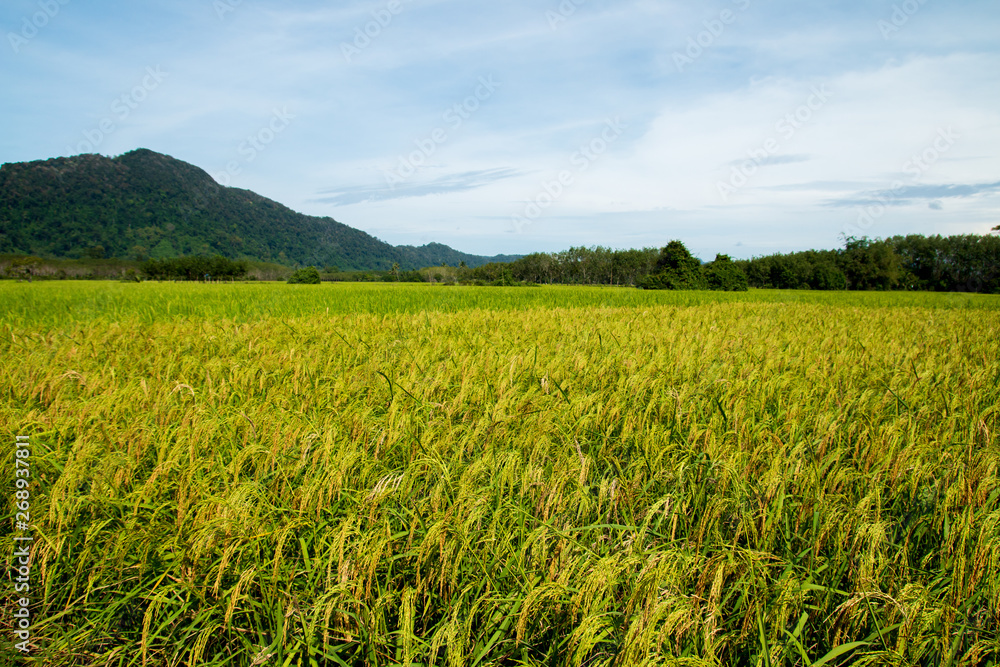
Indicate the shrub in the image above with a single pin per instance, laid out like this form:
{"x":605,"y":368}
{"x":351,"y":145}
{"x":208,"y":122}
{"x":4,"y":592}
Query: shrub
{"x":505,"y":280}
{"x":307,"y":276}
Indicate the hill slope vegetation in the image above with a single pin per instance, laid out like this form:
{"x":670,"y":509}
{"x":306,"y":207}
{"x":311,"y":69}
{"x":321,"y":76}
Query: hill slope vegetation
{"x":144,"y":204}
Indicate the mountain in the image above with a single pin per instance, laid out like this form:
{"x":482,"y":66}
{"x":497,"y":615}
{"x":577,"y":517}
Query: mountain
{"x":145,"y":204}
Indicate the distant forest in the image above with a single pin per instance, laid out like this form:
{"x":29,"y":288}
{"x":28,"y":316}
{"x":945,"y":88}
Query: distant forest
{"x":967,"y":263}
{"x":944,"y":264}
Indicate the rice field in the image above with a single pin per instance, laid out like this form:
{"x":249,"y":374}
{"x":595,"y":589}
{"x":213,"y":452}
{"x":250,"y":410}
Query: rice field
{"x":425,"y":475}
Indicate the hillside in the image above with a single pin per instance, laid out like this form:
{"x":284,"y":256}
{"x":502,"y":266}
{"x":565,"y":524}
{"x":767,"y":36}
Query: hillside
{"x":433,"y":254}
{"x":145,"y":204}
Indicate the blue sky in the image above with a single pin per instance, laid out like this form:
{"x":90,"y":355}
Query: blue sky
{"x":744,"y":127}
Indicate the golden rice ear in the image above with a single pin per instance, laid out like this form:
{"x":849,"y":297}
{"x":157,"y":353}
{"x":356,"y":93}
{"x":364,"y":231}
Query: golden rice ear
{"x":613,"y":478}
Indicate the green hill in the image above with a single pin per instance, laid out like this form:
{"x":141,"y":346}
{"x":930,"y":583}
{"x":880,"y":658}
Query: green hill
{"x":145,"y":204}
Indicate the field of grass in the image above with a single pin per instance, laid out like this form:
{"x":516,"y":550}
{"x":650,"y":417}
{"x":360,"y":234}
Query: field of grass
{"x":56,"y":304}
{"x":360,"y":474}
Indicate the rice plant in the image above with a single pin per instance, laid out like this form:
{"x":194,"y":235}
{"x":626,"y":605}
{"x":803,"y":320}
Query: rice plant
{"x":375,"y":475}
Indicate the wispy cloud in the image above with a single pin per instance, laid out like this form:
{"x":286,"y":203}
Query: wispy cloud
{"x":772,"y":160}
{"x":816,"y":186}
{"x":469,"y":180}
{"x":910,"y":194}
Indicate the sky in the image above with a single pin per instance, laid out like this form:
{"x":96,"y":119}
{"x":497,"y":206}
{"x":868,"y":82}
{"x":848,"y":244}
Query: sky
{"x":739,"y":126}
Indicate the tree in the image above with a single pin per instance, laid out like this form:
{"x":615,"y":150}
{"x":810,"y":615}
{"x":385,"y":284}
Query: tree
{"x":826,"y":276}
{"x":24,"y":267}
{"x":871,"y":265}
{"x":676,"y":268}
{"x":725,"y":275}
{"x":631,"y":266}
{"x":505,"y":280}
{"x":193,"y":268}
{"x":306,"y":276}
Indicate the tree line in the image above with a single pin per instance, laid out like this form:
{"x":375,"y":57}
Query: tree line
{"x":968,"y":263}
{"x":576,"y":266}
{"x":194,"y":268}
{"x":670,"y":267}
